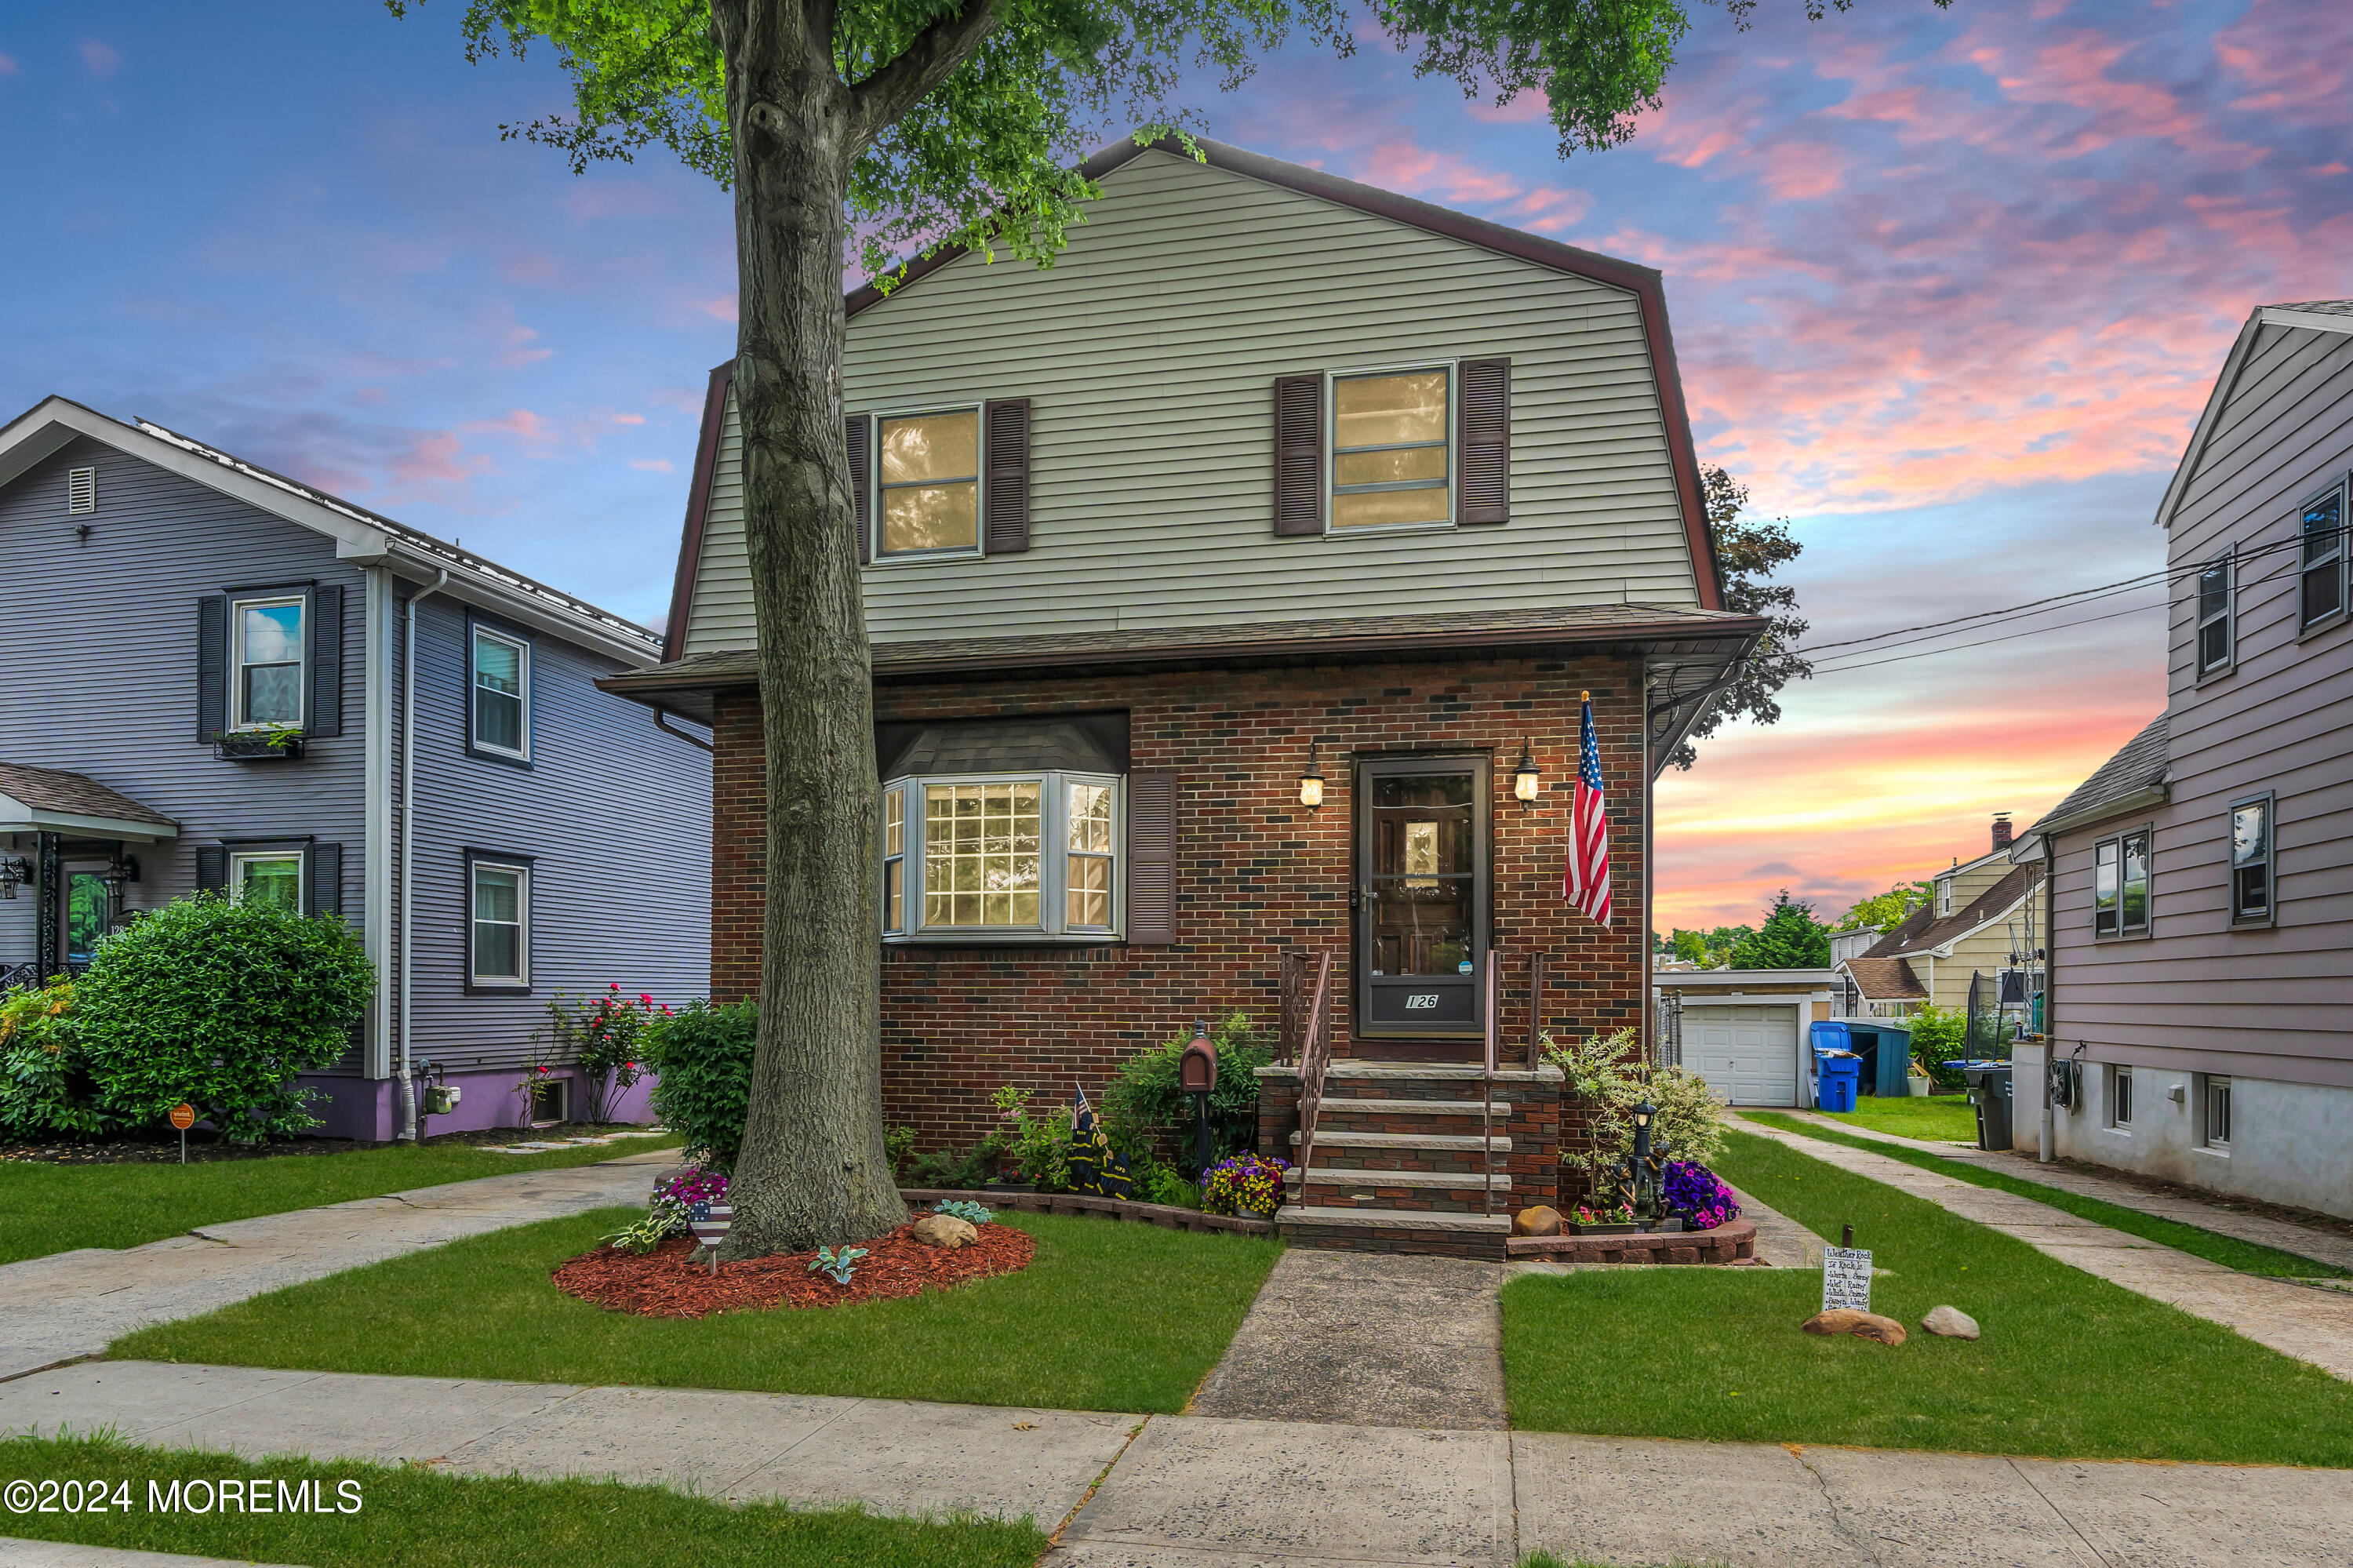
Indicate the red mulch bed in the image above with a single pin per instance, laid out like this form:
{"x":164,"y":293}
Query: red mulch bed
{"x":664,"y":1284}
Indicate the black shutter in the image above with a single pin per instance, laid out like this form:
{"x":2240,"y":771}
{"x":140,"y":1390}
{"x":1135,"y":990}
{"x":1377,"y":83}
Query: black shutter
{"x":1152,"y":856}
{"x":1298,"y":454}
{"x":326,"y":880}
{"x":326,"y":715}
{"x":857,"y":439}
{"x":211,"y":667}
{"x":1005,"y":475}
{"x":1484,"y":493}
{"x":212,"y":869}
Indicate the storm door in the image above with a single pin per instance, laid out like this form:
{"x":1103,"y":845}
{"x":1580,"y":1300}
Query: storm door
{"x":1422,"y":843}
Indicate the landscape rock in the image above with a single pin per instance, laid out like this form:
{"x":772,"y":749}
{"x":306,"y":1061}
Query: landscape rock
{"x":944,"y":1230}
{"x":1540,"y":1220}
{"x":1861,"y":1325}
{"x":1951,"y":1322}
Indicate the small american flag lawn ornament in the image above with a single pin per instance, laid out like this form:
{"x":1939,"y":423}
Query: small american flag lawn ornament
{"x":1586,"y":884}
{"x":710,"y":1223}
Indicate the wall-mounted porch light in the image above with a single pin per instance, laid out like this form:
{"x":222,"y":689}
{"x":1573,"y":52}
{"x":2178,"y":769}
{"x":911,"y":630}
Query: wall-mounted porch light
{"x":1310,"y":783}
{"x":14,"y":869}
{"x":1525,"y":779}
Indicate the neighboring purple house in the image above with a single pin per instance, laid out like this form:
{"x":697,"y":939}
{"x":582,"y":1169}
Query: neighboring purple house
{"x":2201,"y":889}
{"x":208,"y":685}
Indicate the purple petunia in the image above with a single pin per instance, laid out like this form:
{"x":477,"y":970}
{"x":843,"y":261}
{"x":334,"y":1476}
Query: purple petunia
{"x":1691,"y":1190}
{"x":691,"y":1187}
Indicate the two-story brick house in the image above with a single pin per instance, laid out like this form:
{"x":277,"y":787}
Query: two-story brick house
{"x":2200,"y":895}
{"x":1223,"y":581}
{"x":207,"y":682}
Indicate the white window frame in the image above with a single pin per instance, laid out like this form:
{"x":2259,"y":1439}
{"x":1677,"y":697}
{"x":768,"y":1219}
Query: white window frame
{"x":875,"y":554}
{"x":2305,"y":566}
{"x":239,"y":719}
{"x":520,"y":979}
{"x":1944,"y":897}
{"x":2227,"y":617}
{"x":2120,"y":1096}
{"x":2208,"y":1084}
{"x":1331,"y":453}
{"x":1053,"y":841}
{"x":895,"y":795}
{"x":239,"y":859}
{"x":521,"y":646}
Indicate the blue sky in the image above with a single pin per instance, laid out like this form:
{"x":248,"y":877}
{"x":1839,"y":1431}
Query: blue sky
{"x":1947,"y":287}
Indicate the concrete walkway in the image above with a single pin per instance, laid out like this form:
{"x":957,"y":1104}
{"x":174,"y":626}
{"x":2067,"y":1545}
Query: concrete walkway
{"x":1196,"y":1491}
{"x":73,"y":1304}
{"x":1370,"y":1339}
{"x":2313,"y":1326}
{"x":2285,"y":1235}
{"x":16,"y":1553}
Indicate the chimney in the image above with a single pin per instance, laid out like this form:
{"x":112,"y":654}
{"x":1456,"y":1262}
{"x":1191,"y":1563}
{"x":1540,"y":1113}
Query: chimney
{"x":2000,"y":831}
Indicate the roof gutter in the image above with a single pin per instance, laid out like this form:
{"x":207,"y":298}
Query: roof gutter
{"x":2140,"y":800}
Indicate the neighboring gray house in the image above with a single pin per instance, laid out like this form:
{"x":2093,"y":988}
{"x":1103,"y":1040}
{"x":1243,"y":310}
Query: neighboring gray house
{"x":206,"y":679}
{"x":2201,"y":895}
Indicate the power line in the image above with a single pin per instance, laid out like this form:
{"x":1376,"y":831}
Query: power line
{"x":2007,"y":637}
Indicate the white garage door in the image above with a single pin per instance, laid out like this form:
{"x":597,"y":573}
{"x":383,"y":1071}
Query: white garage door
{"x":1747,"y":1055}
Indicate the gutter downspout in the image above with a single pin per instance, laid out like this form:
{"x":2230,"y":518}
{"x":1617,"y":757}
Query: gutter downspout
{"x":2048,"y":1150}
{"x":407,"y":845}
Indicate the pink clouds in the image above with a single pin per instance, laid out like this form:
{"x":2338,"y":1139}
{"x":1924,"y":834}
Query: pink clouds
{"x":100,"y":58}
{"x":7,"y":65}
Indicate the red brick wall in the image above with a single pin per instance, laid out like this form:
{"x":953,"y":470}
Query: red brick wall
{"x":1256,"y":871}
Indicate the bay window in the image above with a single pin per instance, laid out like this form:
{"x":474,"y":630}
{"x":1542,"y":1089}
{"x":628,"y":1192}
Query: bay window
{"x":1013,"y":856}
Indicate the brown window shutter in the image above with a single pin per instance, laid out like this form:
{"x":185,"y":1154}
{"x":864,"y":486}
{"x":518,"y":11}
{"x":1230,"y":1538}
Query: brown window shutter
{"x":1152,"y":856}
{"x":858,"y":440}
{"x":1484,"y":493}
{"x":1298,"y":454}
{"x":1005,"y":475}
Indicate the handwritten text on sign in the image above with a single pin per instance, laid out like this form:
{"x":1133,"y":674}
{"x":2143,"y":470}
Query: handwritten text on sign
{"x":1846,"y":1277}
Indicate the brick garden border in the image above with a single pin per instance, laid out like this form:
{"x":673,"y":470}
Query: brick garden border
{"x":1731,"y":1240}
{"x":1167,"y":1216}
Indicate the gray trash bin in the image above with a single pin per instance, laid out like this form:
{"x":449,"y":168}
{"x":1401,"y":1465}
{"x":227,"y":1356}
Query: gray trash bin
{"x":1990,"y":1090}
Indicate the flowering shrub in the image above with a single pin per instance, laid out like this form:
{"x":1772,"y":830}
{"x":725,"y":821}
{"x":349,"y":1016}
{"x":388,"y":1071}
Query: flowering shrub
{"x":674,"y":1196}
{"x":1692,"y":1190}
{"x":605,"y":1037}
{"x":1244,"y":1184}
{"x":1620,"y":1216}
{"x":1688,"y":1121}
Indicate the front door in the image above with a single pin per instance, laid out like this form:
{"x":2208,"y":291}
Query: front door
{"x":1422,"y":922}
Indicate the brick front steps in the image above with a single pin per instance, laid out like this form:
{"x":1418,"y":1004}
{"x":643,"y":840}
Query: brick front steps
{"x":1731,"y":1240}
{"x":1168,"y":1216}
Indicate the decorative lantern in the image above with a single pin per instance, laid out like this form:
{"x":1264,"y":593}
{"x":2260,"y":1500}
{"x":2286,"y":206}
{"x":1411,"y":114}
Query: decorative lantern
{"x":1310,"y":783}
{"x":14,"y":869}
{"x":1525,"y":779}
{"x":711,"y":1222}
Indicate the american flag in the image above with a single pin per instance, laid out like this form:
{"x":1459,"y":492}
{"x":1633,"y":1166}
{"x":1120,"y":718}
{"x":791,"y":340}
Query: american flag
{"x":1586,"y":882}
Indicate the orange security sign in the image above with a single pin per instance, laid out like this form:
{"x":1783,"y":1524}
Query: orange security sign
{"x":184,"y":1116}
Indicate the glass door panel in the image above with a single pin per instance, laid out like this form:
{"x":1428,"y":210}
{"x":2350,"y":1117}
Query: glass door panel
{"x":1423,"y":902}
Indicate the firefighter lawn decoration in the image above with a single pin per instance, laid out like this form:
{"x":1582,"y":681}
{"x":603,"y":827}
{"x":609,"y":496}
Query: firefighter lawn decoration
{"x":710,"y":1223}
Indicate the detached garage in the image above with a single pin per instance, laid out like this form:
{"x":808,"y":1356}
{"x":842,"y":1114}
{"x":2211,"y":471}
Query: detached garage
{"x":1744,"y":1030}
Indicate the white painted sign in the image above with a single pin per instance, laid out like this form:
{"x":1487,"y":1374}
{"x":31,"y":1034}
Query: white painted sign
{"x":1846,"y":1277}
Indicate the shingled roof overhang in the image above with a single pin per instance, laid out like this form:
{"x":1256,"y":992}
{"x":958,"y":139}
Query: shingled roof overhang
{"x":51,"y":801}
{"x":1689,"y":640}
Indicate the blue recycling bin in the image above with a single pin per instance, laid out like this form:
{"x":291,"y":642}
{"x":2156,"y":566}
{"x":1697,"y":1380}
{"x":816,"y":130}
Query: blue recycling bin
{"x":1842,"y":1075}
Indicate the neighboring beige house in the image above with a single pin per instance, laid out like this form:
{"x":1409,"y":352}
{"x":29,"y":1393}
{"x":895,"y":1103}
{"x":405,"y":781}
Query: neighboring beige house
{"x":1981,"y":920}
{"x":2201,"y":880}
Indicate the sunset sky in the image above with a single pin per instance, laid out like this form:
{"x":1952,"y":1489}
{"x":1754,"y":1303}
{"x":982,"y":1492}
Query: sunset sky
{"x":1948,"y":289}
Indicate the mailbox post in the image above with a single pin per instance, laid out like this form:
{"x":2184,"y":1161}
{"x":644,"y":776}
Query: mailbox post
{"x":1198,"y":1076}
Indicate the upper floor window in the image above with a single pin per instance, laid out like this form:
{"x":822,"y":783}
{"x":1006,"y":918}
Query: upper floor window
{"x":929,"y":471}
{"x":2120,"y":885}
{"x":1944,"y":895}
{"x":2323,"y":578}
{"x":265,"y":655}
{"x":1034,"y":855}
{"x":2250,"y":862}
{"x":502,"y":695}
{"x":1391,"y":436}
{"x":2216,"y":638}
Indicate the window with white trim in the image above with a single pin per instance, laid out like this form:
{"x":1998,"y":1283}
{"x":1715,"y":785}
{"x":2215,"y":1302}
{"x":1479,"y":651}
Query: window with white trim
{"x":501,"y":693}
{"x":272,"y":877}
{"x":498,"y":943}
{"x":2252,"y":856}
{"x":927,"y":470}
{"x":2120,"y":885}
{"x":1944,"y":895}
{"x":2217,"y":636}
{"x":266,"y":648}
{"x":1016,"y":856}
{"x":2120,"y":1101}
{"x":2321,"y":575}
{"x":1392,"y":445}
{"x":2214,"y":1111}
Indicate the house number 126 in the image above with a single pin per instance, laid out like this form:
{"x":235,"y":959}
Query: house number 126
{"x":1422,"y":999}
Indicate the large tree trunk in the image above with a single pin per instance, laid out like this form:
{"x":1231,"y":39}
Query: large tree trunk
{"x":813,"y":1169}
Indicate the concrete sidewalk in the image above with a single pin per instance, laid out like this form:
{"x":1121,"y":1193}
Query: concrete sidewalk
{"x":18,"y":1553}
{"x":73,"y":1304}
{"x":2311,"y":1325}
{"x":1215,"y":1492}
{"x":2284,"y":1235}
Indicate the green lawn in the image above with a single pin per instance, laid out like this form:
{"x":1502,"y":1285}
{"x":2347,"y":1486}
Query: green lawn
{"x":2248,"y":1257}
{"x":1937,"y":1118}
{"x":2069,"y":1366}
{"x":412,"y":1515}
{"x":1109,"y":1316}
{"x":47,"y":1208}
